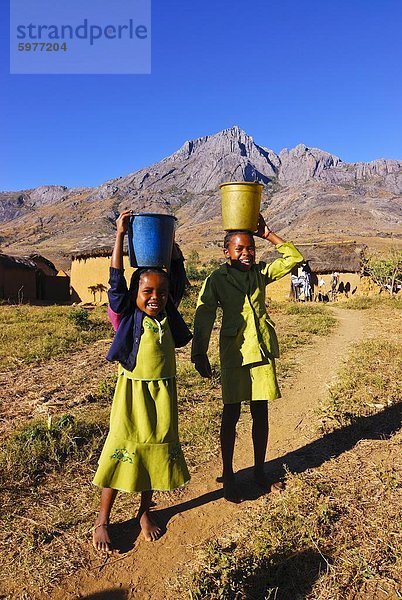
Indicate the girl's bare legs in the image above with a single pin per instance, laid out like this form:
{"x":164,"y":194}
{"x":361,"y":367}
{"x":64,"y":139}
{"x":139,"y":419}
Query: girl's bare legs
{"x":100,"y":537}
{"x":259,"y":413}
{"x":150,"y":530}
{"x":230,"y":417}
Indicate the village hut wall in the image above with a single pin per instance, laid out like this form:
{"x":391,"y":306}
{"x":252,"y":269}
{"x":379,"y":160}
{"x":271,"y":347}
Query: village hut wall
{"x":55,"y":289}
{"x":32,"y":279}
{"x":17,"y":282}
{"x":92,"y":271}
{"x":323,"y":260}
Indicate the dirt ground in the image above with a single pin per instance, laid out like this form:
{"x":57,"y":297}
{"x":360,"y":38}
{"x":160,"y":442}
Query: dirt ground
{"x":35,"y":390}
{"x":150,"y":570}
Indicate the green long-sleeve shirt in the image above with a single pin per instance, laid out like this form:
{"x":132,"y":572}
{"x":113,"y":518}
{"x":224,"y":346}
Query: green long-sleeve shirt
{"x":247,"y":334}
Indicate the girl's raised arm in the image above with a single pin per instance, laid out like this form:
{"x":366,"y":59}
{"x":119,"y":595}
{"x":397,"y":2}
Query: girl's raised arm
{"x":121,"y":225}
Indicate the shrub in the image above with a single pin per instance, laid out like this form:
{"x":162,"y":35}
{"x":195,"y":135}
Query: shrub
{"x":80,"y":318}
{"x":106,"y":388}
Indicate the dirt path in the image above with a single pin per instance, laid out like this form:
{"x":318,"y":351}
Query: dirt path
{"x":149,"y":571}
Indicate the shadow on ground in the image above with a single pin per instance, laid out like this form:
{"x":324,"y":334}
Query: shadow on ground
{"x":282,"y":577}
{"x":379,"y":426}
{"x":112,"y":594}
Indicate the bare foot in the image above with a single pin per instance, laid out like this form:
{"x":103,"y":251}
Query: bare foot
{"x":150,"y":530}
{"x":266,"y":483}
{"x":100,"y":537}
{"x":230,"y":492}
{"x":277,"y":487}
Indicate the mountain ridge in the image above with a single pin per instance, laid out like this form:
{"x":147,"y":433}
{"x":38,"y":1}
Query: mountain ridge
{"x":307,"y":190}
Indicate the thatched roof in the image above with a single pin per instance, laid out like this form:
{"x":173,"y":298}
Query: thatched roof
{"x":34,"y":262}
{"x":102,"y":251}
{"x":326,"y":257}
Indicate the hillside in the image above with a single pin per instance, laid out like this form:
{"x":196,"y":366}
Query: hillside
{"x":309,"y":195}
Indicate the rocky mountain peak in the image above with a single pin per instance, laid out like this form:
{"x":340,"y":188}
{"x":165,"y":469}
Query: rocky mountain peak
{"x":302,"y":163}
{"x":200,"y":165}
{"x":313,"y":190}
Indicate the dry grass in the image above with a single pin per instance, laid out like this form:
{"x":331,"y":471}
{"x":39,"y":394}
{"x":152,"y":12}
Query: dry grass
{"x":33,"y":334}
{"x":336,"y":532}
{"x":370,"y":302}
{"x":369,"y":382}
{"x":48,"y":502}
{"x":329,"y":535}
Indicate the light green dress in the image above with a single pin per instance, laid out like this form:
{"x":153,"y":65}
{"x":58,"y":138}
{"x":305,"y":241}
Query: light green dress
{"x":142,"y":450}
{"x":248,"y":344}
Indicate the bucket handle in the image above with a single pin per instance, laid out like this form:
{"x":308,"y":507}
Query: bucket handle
{"x":131,"y":252}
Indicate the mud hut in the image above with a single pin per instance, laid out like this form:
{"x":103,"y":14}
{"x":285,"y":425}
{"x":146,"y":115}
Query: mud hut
{"x":323,"y":259}
{"x":32,"y":279}
{"x":90,"y":274}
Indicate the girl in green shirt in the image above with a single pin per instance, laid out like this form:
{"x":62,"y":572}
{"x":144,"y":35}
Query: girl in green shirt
{"x":248,"y":343}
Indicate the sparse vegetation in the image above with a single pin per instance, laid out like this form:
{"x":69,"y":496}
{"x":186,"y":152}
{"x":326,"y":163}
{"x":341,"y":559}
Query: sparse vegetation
{"x":366,"y":302}
{"x":80,"y":318}
{"x":386,"y":270}
{"x":369,"y":382}
{"x":328,"y":536}
{"x":54,"y":461}
{"x":33,"y":334}
{"x":335,"y":532}
{"x":197,"y":271}
{"x":106,"y":388}
{"x":41,"y":447}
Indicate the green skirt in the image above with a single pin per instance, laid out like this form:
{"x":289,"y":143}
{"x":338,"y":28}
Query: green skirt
{"x":142,"y":450}
{"x":249,"y":383}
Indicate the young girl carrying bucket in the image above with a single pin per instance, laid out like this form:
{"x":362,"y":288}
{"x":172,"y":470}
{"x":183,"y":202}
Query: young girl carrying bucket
{"x":248,"y":343}
{"x":142,"y":452}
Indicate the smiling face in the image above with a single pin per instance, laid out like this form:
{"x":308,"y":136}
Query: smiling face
{"x":241,"y":251}
{"x":153,"y":291}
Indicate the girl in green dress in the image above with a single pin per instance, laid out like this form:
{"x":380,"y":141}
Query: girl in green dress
{"x":248,"y":343}
{"x":142,"y":452}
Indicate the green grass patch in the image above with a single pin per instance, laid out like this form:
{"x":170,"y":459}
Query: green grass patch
{"x":33,"y":334}
{"x":40,"y":447}
{"x":367,"y":302}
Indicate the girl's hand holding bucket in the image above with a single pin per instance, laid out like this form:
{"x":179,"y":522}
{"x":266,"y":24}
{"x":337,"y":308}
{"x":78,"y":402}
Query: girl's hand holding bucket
{"x":262,"y":230}
{"x":122,"y":221}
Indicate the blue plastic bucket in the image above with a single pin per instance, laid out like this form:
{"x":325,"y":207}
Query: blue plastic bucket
{"x":150,"y":239}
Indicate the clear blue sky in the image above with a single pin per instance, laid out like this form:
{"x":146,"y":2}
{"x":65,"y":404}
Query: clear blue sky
{"x":327,"y":74}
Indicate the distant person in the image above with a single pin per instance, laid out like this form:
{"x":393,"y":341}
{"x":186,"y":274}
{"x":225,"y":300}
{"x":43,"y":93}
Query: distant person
{"x":142,"y":452}
{"x":321,"y":290}
{"x":334,"y":284}
{"x":306,"y":282}
{"x":248,"y":342}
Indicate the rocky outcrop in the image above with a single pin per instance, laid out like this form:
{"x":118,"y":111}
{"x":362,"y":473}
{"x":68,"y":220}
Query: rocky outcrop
{"x":198,"y":166}
{"x":301,"y":164}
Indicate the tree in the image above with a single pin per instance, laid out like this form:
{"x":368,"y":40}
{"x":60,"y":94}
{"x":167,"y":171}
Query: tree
{"x":386,"y":270}
{"x":101,"y":288}
{"x":93,"y":289}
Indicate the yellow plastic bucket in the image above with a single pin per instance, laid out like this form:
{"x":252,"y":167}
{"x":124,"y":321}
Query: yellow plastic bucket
{"x":241,"y":203}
